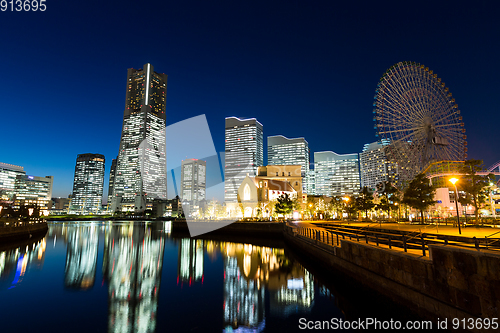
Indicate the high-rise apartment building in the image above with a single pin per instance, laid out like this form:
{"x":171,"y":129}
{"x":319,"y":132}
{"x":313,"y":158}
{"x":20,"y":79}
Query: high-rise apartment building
{"x":285,"y":151}
{"x":111,"y":186}
{"x":141,"y":168}
{"x":336,"y":174}
{"x":88,"y":183}
{"x":244,"y":153}
{"x":374,"y":166}
{"x":193,"y":181}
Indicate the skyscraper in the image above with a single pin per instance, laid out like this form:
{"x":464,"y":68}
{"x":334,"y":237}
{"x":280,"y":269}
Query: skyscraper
{"x":336,"y":174}
{"x":8,"y":174}
{"x":88,"y":183}
{"x":141,"y":169}
{"x":111,"y":186}
{"x":193,"y":181}
{"x":33,"y":190}
{"x":375,"y":168}
{"x":244,"y":153}
{"x":285,"y":151}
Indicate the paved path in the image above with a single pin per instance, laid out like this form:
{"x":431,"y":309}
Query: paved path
{"x":478,"y":232}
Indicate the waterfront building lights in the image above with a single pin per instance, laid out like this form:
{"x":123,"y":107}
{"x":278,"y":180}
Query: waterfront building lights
{"x":454,"y":181}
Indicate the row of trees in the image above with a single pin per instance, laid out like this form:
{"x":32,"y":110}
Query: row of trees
{"x":420,"y":193}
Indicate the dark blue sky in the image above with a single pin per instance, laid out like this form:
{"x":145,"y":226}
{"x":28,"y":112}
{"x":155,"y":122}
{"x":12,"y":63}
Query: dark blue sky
{"x":302,"y":68}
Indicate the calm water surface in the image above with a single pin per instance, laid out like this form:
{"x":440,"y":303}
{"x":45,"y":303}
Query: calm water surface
{"x":138,"y":277}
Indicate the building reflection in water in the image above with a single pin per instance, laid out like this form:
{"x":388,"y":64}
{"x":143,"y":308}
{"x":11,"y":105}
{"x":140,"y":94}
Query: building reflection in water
{"x":248,"y":271}
{"x":132,"y":264}
{"x":16,"y":262}
{"x":190,"y":263}
{"x":81,"y":256}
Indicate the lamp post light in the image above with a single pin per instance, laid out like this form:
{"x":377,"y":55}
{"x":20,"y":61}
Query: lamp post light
{"x":346,"y":199}
{"x":399,"y":211}
{"x":454,"y":181}
{"x":492,"y":203}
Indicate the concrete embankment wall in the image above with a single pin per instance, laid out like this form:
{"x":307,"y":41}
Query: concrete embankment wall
{"x":23,"y":232}
{"x":451,"y":283}
{"x":258,"y":229}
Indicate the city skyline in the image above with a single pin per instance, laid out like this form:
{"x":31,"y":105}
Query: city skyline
{"x":303,"y":70}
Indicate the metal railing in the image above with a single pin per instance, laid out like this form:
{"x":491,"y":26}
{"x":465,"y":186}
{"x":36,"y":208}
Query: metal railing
{"x":419,"y":241}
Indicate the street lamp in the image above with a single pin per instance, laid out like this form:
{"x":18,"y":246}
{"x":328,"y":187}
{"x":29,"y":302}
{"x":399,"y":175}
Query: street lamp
{"x":493,"y":210}
{"x":346,"y":199}
{"x":454,"y":181}
{"x":399,"y":213}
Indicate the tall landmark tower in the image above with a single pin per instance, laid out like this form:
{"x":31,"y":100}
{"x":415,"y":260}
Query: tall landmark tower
{"x":141,"y":168}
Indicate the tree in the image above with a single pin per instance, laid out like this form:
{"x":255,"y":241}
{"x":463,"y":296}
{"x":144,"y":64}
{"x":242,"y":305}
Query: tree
{"x":420,"y":194}
{"x":310,"y":206}
{"x":364,"y":201}
{"x":350,"y":207}
{"x":297,"y":204}
{"x":475,"y":185}
{"x":465,"y":199}
{"x":284,"y":205}
{"x":338,"y":205}
{"x":388,"y":197}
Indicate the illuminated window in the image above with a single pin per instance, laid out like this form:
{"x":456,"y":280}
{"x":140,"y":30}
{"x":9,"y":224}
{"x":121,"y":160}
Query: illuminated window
{"x":246,"y":193}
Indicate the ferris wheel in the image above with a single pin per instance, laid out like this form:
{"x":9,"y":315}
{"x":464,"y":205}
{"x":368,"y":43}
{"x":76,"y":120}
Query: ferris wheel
{"x":418,"y":119}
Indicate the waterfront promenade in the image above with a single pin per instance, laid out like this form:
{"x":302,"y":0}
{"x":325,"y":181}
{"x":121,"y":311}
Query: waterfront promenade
{"x":469,"y":231}
{"x":14,"y":230}
{"x":432,"y":270}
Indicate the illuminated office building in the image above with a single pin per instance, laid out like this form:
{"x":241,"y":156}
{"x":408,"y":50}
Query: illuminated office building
{"x":243,"y":153}
{"x":336,"y":174}
{"x":374,"y":166}
{"x":193,"y":181}
{"x":88,"y":183}
{"x":111,"y":185}
{"x":285,"y":151}
{"x":8,"y":174}
{"x":141,"y":169}
{"x":310,"y":182}
{"x":32,"y":190}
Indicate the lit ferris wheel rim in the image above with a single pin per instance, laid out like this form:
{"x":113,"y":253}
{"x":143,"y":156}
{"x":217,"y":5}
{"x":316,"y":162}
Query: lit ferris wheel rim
{"x":414,"y":113}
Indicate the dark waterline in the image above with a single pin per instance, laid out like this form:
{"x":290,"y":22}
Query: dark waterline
{"x":137,"y":277}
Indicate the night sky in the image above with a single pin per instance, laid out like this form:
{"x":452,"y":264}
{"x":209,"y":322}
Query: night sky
{"x":302,"y":68}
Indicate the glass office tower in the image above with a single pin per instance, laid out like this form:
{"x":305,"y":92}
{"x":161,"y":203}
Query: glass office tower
{"x":336,"y":174}
{"x":244,"y":153}
{"x":141,"y":166}
{"x":285,"y":151}
{"x":193,"y":181}
{"x":88,"y":184}
{"x":375,"y":167}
